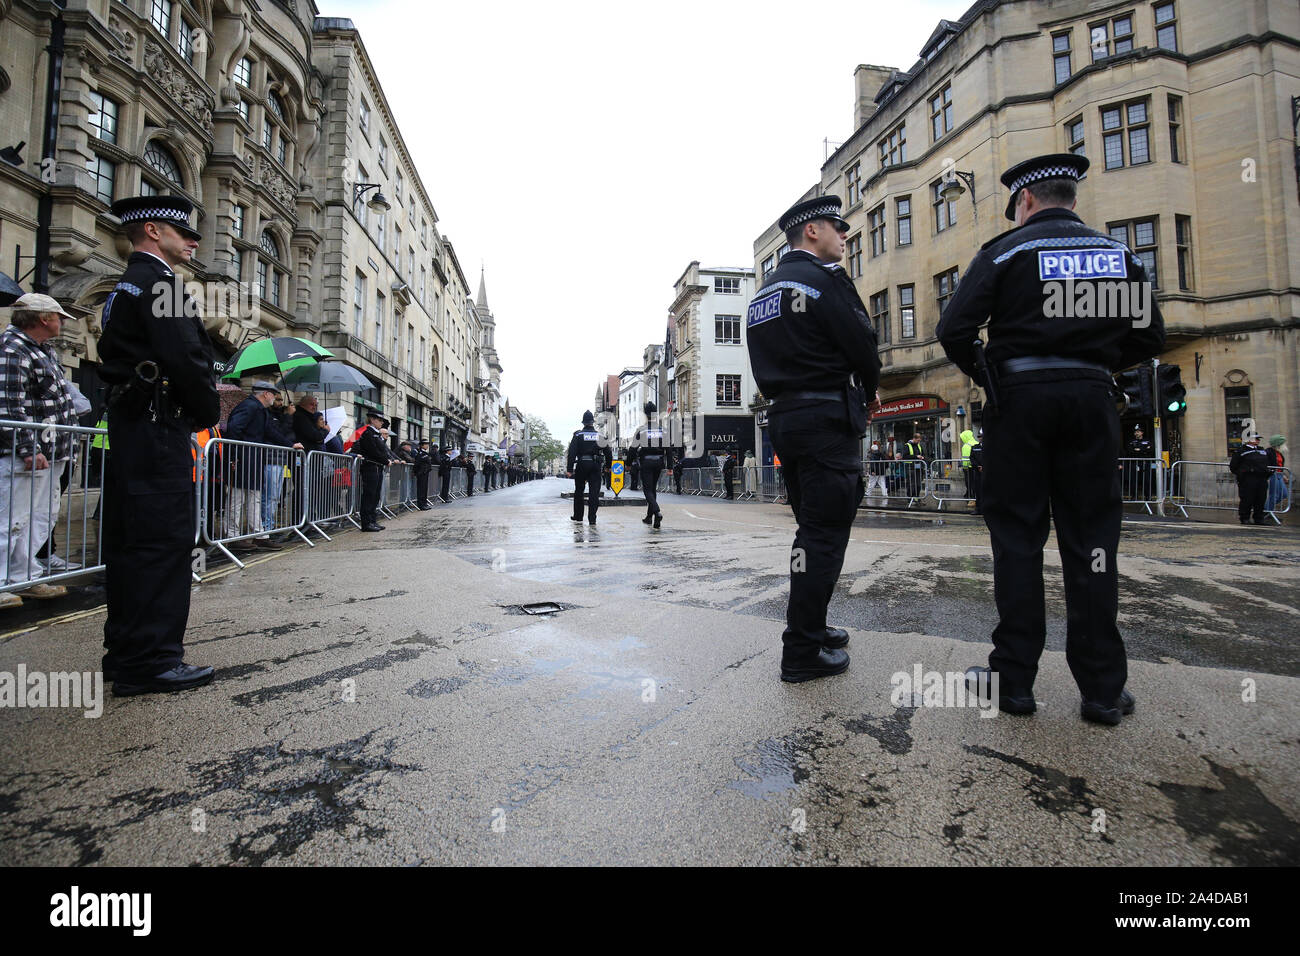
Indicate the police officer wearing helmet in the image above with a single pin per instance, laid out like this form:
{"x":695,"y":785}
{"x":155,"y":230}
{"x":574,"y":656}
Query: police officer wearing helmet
{"x":583,"y":464}
{"x":654,"y":456}
{"x":156,"y":357}
{"x":1053,"y":436}
{"x":814,"y":355}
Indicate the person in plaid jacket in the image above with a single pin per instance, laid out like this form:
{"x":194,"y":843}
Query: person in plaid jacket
{"x":32,"y":461}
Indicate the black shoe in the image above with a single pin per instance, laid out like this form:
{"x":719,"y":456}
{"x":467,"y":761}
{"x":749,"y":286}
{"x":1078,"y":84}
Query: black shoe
{"x":425,"y":507}
{"x":592,"y":522}
{"x":577,"y":519}
{"x":827,"y":662}
{"x":836,"y":637}
{"x":659,"y":518}
{"x":1010,"y":700}
{"x":1244,"y":520}
{"x":372,"y":527}
{"x":266,"y":544}
{"x":180,"y":677}
{"x":647,"y":519}
{"x":1108,"y":714}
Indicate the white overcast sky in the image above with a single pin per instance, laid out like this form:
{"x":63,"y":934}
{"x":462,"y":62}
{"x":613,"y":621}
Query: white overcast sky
{"x":587,"y":152}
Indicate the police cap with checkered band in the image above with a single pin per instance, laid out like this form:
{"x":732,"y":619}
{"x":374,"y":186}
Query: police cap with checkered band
{"x":172,"y":210}
{"x":1051,"y":166}
{"x":822,"y":207}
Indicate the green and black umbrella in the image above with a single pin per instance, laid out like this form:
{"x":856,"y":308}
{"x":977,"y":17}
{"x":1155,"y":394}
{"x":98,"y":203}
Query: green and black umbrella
{"x":281,"y":353}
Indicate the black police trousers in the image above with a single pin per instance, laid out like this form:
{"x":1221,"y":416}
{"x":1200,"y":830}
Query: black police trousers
{"x":445,"y":494}
{"x":586,"y":473}
{"x":1055,"y":440}
{"x":821,"y":460}
{"x":1252,"y":494}
{"x":148,"y":527}
{"x":651,"y":469}
{"x":422,"y":489}
{"x":372,"y":479}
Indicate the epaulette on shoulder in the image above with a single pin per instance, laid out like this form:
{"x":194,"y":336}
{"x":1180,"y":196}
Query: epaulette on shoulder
{"x":128,"y":287}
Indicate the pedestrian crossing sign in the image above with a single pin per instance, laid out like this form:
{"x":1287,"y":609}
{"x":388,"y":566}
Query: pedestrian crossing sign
{"x":616,"y":477}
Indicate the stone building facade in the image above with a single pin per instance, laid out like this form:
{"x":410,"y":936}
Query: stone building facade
{"x":1186,"y":110}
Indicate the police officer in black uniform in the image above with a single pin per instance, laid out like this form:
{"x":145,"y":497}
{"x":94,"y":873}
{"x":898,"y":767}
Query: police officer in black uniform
{"x":375,"y":457}
{"x":1051,"y":430}
{"x":1250,"y":463}
{"x":1140,"y":471}
{"x":809,"y":335}
{"x":444,"y":473}
{"x":587,"y":448}
{"x":653,"y":455}
{"x":423,"y":465}
{"x":158,"y":361}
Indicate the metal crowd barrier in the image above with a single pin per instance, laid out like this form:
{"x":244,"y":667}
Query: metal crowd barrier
{"x":254,"y":491}
{"x":948,"y":481}
{"x":1140,"y":482}
{"x":908,"y":481}
{"x":37,"y":548}
{"x":748,"y":481}
{"x":333,"y":490}
{"x":394,"y":497}
{"x":457,"y":487}
{"x":1210,"y":485}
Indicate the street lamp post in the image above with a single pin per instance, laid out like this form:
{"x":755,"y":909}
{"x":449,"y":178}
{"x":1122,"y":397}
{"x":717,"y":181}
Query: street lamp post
{"x":953,"y":188}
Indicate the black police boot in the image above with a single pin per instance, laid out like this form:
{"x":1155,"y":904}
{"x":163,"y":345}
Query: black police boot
{"x":647,"y":519}
{"x":1010,"y":700}
{"x":827,"y":662}
{"x":836,"y":637}
{"x":659,"y":518}
{"x":372,"y":527}
{"x":577,"y":518}
{"x":1110,"y":714}
{"x":180,"y":677}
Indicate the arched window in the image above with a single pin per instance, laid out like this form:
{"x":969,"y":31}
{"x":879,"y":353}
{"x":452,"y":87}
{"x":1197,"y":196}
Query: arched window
{"x":269,"y":245}
{"x":275,"y":107}
{"x":157,"y":158}
{"x":270,"y":280}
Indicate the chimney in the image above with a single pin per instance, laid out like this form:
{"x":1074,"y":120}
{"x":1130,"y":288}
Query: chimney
{"x":867,"y":81}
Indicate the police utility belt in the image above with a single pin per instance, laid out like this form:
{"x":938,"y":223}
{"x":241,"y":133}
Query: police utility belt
{"x":1042,"y":363}
{"x":585,"y":458}
{"x":147,"y":393}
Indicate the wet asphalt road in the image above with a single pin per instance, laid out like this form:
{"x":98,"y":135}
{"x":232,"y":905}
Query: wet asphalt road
{"x":381,"y":699}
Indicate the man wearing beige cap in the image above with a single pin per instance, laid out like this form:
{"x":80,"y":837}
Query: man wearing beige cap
{"x":32,"y":460}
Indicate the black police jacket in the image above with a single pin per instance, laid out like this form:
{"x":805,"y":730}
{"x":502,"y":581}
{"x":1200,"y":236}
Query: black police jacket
{"x":808,"y":330}
{"x":586,"y":443}
{"x":1141,"y":448}
{"x":649,"y":442}
{"x":145,"y":319}
{"x":423,"y":463}
{"x":1018,"y":283}
{"x":1250,"y":460}
{"x":371,"y":447}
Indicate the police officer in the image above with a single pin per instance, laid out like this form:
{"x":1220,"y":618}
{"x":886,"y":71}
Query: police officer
{"x":375,"y":456}
{"x":470,"y":471}
{"x":1053,"y":436}
{"x":654,"y":456}
{"x":586,"y":450}
{"x":157,"y":359}
{"x":1140,"y":471}
{"x":1250,"y":463}
{"x":423,"y":465}
{"x":808,"y":336}
{"x":444,"y":473}
{"x":977,"y":471}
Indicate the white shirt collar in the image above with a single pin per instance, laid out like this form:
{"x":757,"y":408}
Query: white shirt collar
{"x":159,"y":258}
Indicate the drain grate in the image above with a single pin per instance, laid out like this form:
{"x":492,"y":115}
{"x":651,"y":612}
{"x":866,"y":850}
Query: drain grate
{"x":544,"y":607}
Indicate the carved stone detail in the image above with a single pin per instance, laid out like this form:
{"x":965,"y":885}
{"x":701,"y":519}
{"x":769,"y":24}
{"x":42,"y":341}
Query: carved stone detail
{"x":123,"y":35}
{"x":193,"y":100}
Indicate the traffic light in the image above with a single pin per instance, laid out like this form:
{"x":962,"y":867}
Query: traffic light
{"x":1135,"y":384}
{"x":1173,"y":395}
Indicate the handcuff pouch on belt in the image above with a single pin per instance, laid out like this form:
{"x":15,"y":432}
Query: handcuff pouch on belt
{"x":147,"y":393}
